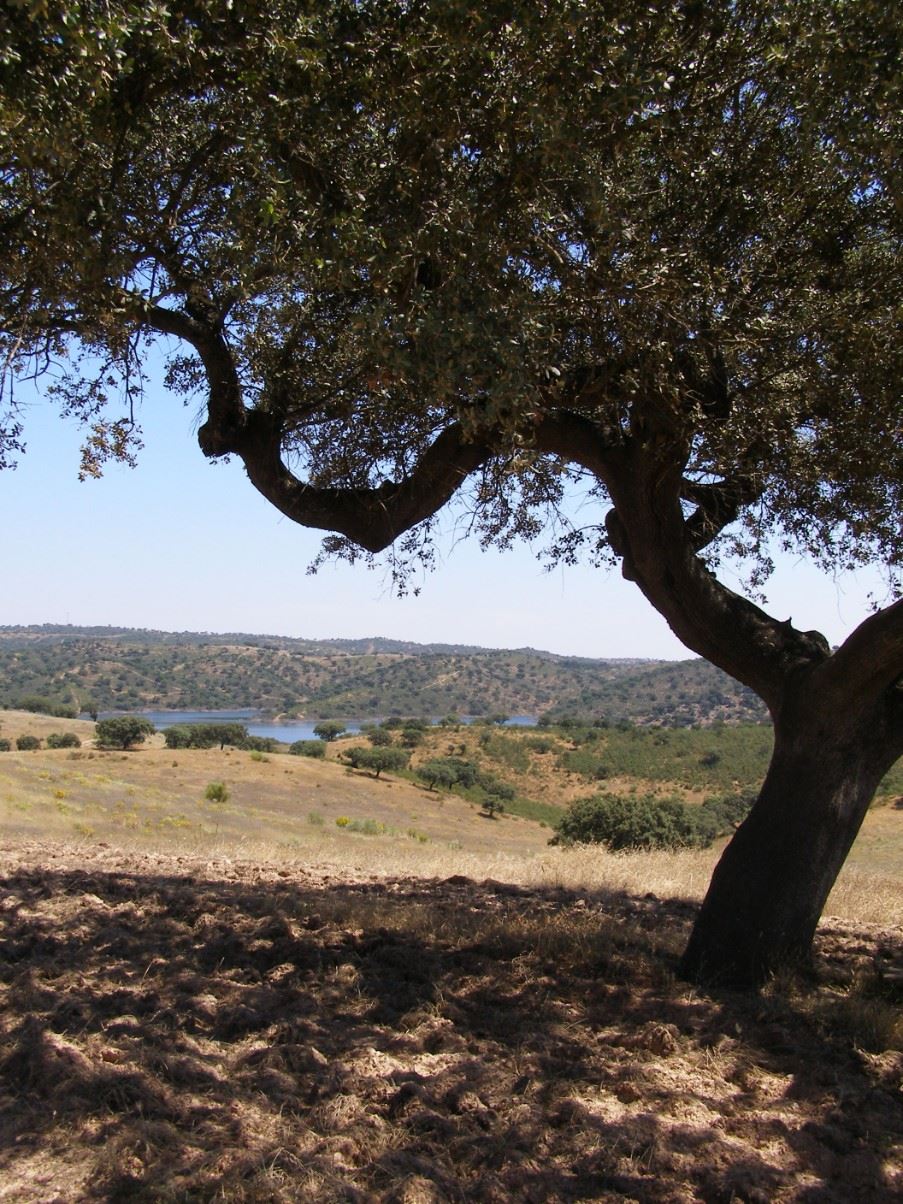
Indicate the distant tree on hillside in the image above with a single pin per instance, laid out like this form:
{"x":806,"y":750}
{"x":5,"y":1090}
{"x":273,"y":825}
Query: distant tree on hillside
{"x":123,"y":731}
{"x":379,"y":737}
{"x":329,"y":730}
{"x":377,"y":759}
{"x":206,"y":735}
{"x":439,"y":773}
{"x":492,"y":806}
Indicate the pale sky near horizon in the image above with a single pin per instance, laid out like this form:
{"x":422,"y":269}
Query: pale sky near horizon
{"x":178,"y":544}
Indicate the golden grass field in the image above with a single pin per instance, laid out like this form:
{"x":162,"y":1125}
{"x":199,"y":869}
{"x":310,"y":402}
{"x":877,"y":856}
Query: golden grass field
{"x":236,"y":1002}
{"x":286,"y":808}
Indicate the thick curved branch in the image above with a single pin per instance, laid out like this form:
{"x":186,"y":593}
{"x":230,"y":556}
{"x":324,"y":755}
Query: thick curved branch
{"x":648,"y":531}
{"x":717,"y":506}
{"x":871,"y":658}
{"x":372,"y":518}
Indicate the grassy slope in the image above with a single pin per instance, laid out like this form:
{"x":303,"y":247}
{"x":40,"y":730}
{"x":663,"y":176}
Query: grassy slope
{"x":230,"y":1002}
{"x":288,"y":806}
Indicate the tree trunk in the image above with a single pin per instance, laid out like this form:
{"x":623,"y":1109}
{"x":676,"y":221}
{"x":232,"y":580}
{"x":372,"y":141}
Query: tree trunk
{"x":773,"y":880}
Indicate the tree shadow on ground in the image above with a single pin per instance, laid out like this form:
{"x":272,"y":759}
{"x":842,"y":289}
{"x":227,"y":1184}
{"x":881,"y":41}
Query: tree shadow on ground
{"x":170,"y":1036}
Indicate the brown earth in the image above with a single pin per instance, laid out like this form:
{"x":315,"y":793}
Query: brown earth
{"x":178,"y":1028}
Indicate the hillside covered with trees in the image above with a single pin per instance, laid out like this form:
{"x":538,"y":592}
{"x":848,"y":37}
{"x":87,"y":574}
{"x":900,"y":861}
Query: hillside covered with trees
{"x":116,"y":668}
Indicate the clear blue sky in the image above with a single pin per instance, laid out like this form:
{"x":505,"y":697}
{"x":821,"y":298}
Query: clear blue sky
{"x":179,"y":544}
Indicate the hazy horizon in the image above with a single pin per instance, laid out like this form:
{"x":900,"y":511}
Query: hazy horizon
{"x":323,"y":639}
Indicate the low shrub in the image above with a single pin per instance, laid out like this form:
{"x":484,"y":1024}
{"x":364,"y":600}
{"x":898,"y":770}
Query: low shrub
{"x":5,"y":745}
{"x":307,"y":748}
{"x":641,"y":822}
{"x":39,"y":705}
{"x":495,"y":788}
{"x":366,"y":827}
{"x":540,"y":744}
{"x":262,"y":744}
{"x":27,"y":743}
{"x":217,"y":792}
{"x":728,"y":811}
{"x":63,"y":740}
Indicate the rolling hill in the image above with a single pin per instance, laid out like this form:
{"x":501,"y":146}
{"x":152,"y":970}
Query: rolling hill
{"x":120,"y":668}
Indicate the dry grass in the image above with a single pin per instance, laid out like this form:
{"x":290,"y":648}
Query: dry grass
{"x":27,"y":723}
{"x":228,"y":1002}
{"x":177,"y":1030}
{"x":153,"y":798}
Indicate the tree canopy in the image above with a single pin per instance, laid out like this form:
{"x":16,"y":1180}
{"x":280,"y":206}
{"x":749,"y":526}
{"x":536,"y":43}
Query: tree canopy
{"x":123,"y":731}
{"x":454,"y":224}
{"x":417,"y":250}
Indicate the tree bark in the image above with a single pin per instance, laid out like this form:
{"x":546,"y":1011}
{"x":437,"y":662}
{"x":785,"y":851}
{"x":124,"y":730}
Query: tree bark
{"x":768,"y":891}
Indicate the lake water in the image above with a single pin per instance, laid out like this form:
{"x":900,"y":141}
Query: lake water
{"x":302,"y":729}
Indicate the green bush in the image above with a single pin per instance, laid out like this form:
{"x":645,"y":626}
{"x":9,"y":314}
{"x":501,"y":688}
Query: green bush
{"x":727,"y":812}
{"x":379,"y":737}
{"x":217,"y":792}
{"x":5,"y":745}
{"x":642,"y":822}
{"x":540,"y":744}
{"x":178,"y":736}
{"x":307,"y":748}
{"x":260,"y":744}
{"x":27,"y":743}
{"x":366,"y":827}
{"x":63,"y":740}
{"x":495,"y":788}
